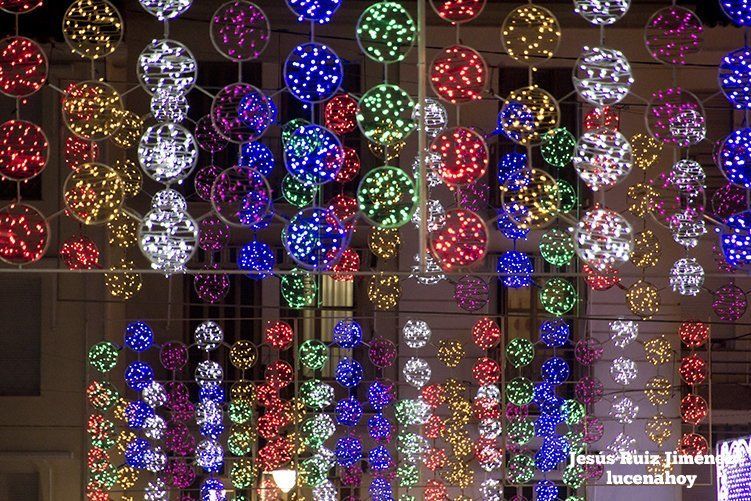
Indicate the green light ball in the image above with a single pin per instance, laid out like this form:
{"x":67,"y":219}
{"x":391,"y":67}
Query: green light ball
{"x":574,"y":411}
{"x":520,"y":469}
{"x":408,"y":474}
{"x":387,"y":197}
{"x":557,"y":247}
{"x":521,"y":432}
{"x":316,"y":394}
{"x":573,"y":476}
{"x":313,"y":354}
{"x":384,"y":114}
{"x":519,"y":391}
{"x":296,"y":192}
{"x":386,"y":32}
{"x":241,"y":440}
{"x":558,"y":147}
{"x":520,"y":352}
{"x":316,"y":430}
{"x":103,"y":356}
{"x":241,"y":411}
{"x":242,"y":474}
{"x":299,"y":289}
{"x":558,"y":296}
{"x":567,"y":193}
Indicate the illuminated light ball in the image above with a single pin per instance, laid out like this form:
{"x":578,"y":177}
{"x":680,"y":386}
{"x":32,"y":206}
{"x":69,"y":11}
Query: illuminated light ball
{"x":92,"y":110}
{"x":313,"y":155}
{"x":515,"y":269}
{"x":102,"y":395}
{"x":471,"y":293}
{"x":530,"y":34}
{"x":384,"y":115}
{"x":167,"y":65}
{"x":546,"y":490}
{"x":728,"y":200}
{"x":602,"y":76}
{"x":103,"y":356}
{"x":241,"y":113}
{"x":164,"y":10}
{"x":555,"y":371}
{"x":207,"y":137}
{"x":519,"y":391}
{"x":623,"y":370}
{"x":694,"y":409}
{"x":278,"y":375}
{"x":588,"y":351}
{"x":605,"y":117}
{"x":520,"y":352}
{"x":416,"y":333}
{"x":458,"y":11}
{"x":313,"y":72}
{"x":676,"y":116}
{"x":382,"y":352}
{"x":658,"y":428}
{"x":168,"y":236}
{"x":520,"y":432}
{"x":387,"y":197}
{"x":20,"y":6}
{"x":558,"y":296}
{"x":208,"y":372}
{"x":243,"y":354}
{"x":139,"y":375}
{"x":319,"y":11}
{"x":450,"y":352}
{"x":130,"y":175}
{"x":687,"y":277}
{"x":167,"y":153}
{"x":315,"y":238}
{"x":569,"y":199}
{"x":643,"y":299}
{"x":139,"y":337}
{"x":642,"y":199}
{"x":79,"y":252}
{"x":386,"y":32}
{"x":92,"y":28}
{"x":279,"y":335}
{"x":298,"y":193}
{"x":436,"y":116}
{"x":521,"y":469}
{"x":557,"y":247}
{"x":461,"y":242}
{"x":555,"y":332}
{"x":463,"y":155}
{"x":173,"y":356}
{"x":436,"y":216}
{"x":672,"y":33}
{"x":350,"y":167}
{"x":416,"y":372}
{"x":122,"y":229}
{"x":535,"y":204}
{"x":240,"y":30}
{"x":658,"y":350}
{"x":79,"y":151}
{"x":509,"y":228}
{"x":558,"y":147}
{"x":588,"y":390}
{"x":645,"y":150}
{"x":734,"y":155}
{"x":258,"y":259}
{"x":729,"y":302}
{"x":25,"y":234}
{"x":384,"y":242}
{"x":601,"y":13}
{"x":459,"y":74}
{"x":603,"y":239}
{"x":167,"y":106}
{"x":348,"y":373}
{"x":692,"y":444}
{"x":735,"y":76}
{"x":693,"y":369}
{"x":340,"y":114}
{"x":529,"y":114}
{"x":603,"y":159}
{"x":646,"y":249}
{"x":346,"y":267}
{"x":213,"y":234}
{"x":344,"y":208}
{"x":658,"y":390}
{"x":315,"y":393}
{"x":241,"y":196}
{"x":486,"y":333}
{"x":299,"y":289}
{"x":486,"y":371}
{"x":510,"y":165}
{"x":122,"y":283}
{"x":209,"y":455}
{"x":687,"y":226}
{"x":347,"y":333}
{"x":313,"y":354}
{"x":693,"y":333}
{"x":23,"y":67}
{"x":687,"y":175}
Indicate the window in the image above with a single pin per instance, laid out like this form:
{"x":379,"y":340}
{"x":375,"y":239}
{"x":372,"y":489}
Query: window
{"x":20,"y":337}
{"x":19,"y":486}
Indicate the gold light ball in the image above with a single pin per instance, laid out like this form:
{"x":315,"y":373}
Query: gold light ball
{"x":534,"y":102}
{"x":659,"y":429}
{"x":642,"y":199}
{"x":646,"y":249}
{"x":384,"y":291}
{"x":92,"y":28}
{"x":130,"y":175}
{"x":450,"y":352}
{"x":384,"y":242}
{"x":93,"y":194}
{"x":92,"y":110}
{"x":243,"y":354}
{"x":531,"y":34}
{"x":658,"y":390}
{"x":658,"y":350}
{"x":645,"y":150}
{"x":643,"y":299}
{"x":130,"y":131}
{"x":122,"y":229}
{"x":123,"y":285}
{"x":535,"y":204}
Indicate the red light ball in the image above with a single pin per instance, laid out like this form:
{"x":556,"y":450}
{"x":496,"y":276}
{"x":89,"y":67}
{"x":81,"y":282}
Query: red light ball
{"x":348,"y":263}
{"x":24,"y":234}
{"x":486,"y":371}
{"x":279,"y":335}
{"x":694,"y":333}
{"x":600,"y":280}
{"x":486,"y":333}
{"x":23,"y":67}
{"x":79,"y":252}
{"x":459,"y":74}
{"x":23,"y":150}
{"x":340,"y":114}
{"x":79,"y":151}
{"x":599,"y":118}
{"x":693,"y":369}
{"x":694,"y":409}
{"x":463,"y":155}
{"x":350,"y":167}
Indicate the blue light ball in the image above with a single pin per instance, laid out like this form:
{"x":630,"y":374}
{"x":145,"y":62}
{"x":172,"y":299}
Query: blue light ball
{"x":555,"y":333}
{"x":347,"y":334}
{"x":138,"y":336}
{"x":348,"y":451}
{"x":257,"y":257}
{"x":509,"y":164}
{"x":138,"y":375}
{"x":136,"y":453}
{"x":735,"y":157}
{"x":545,"y":426}
{"x":256,"y":111}
{"x":348,"y":412}
{"x":136,"y":414}
{"x":735,"y":241}
{"x":381,"y":394}
{"x":257,"y":156}
{"x":509,"y":228}
{"x":319,"y":11}
{"x":211,"y":391}
{"x":313,"y":155}
{"x":739,"y":11}
{"x":380,"y":490}
{"x":542,"y":392}
{"x":212,"y":489}
{"x":380,"y":459}
{"x":555,"y":371}
{"x":517,"y":267}
{"x":313,"y":72}
{"x":315,"y":238}
{"x":348,"y":372}
{"x":380,"y":428}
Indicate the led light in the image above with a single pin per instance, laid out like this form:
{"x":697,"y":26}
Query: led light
{"x":167,"y":65}
{"x":516,"y":269}
{"x":24,"y":150}
{"x":319,"y":11}
{"x":624,"y":410}
{"x":463,"y":155}
{"x":384,"y":242}
{"x":623,"y":370}
{"x":461,"y":242}
{"x":528,"y":114}
{"x":167,"y":153}
{"x":643,"y":299}
{"x":164,"y":10}
{"x":676,"y":116}
{"x":646,"y":150}
{"x":535,"y":204}
{"x":384,"y":291}
{"x":458,"y":74}
{"x":92,"y":110}
{"x":241,"y":196}
{"x":340,"y":114}
{"x":168,"y":235}
{"x":313,"y":72}
{"x":687,"y":226}
{"x":601,"y":12}
{"x":588,"y":390}
{"x":687,"y":277}
{"x":693,"y":333}
{"x":386,"y":32}
{"x":603,"y":159}
{"x":672,"y":33}
{"x":92,"y":28}
{"x":603,"y":238}
{"x":313,"y":154}
{"x":530,"y":34}
{"x":558,"y":296}
{"x":299,"y":289}
{"x":385,"y":114}
{"x":240,"y":30}
{"x":387,"y":197}
{"x":23,"y":67}
{"x":241,"y":113}
{"x":602,"y":76}
{"x":314,"y":238}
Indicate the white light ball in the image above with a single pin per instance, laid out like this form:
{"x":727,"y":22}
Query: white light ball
{"x":167,"y":64}
{"x":167,"y":152}
{"x":491,"y":490}
{"x":208,"y":372}
{"x":490,"y":391}
{"x":325,"y":492}
{"x":154,"y":394}
{"x":416,"y":372}
{"x":624,"y":410}
{"x":208,"y":335}
{"x":687,"y":128}
{"x":601,"y":12}
{"x":604,"y":239}
{"x":416,"y":333}
{"x":687,"y":226}
{"x":436,"y":216}
{"x":154,"y":427}
{"x":602,"y":76}
{"x":623,"y":370}
{"x":436,"y":116}
{"x":622,"y":443}
{"x":687,"y":175}
{"x":603,"y":158}
{"x":156,"y":490}
{"x":623,"y":332}
{"x":489,"y":428}
{"x":168,"y":106}
{"x":687,"y":277}
{"x":433,"y":164}
{"x":165,"y":9}
{"x":168,"y":238}
{"x":433,"y":272}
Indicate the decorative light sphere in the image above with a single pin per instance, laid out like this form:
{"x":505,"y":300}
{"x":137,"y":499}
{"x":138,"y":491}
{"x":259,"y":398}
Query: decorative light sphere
{"x":436,"y":116}
{"x":676,"y":116}
{"x":588,"y":351}
{"x":386,"y":32}
{"x":687,"y":277}
{"x":416,"y":372}
{"x":528,"y":114}
{"x":241,"y":196}
{"x":319,"y":11}
{"x":20,"y":6}
{"x":603,"y":239}
{"x":169,"y":106}
{"x":241,"y":113}
{"x":558,"y":147}
{"x":535,"y":203}
{"x":167,"y":153}
{"x":463,"y":154}
{"x":643,"y":299}
{"x":384,"y":291}
{"x":645,"y":149}
{"x":458,"y":11}
{"x":384,"y":242}
{"x":459,"y":74}
{"x":693,"y":333}
{"x":313,"y":72}
{"x":735,"y":157}
{"x":93,"y":194}
{"x":315,"y":238}
{"x":240,"y":30}
{"x":735,"y":76}
{"x":24,"y":150}
{"x":23,"y":67}
{"x":385,"y":114}
{"x":471,"y":293}
{"x":729,"y":302}
{"x":461,"y":242}
{"x":530,"y":34}
{"x":165,"y":10}
{"x":168,"y":236}
{"x":387,"y":197}
{"x":92,"y":110}
{"x":623,"y":370}
{"x":601,"y":12}
{"x":737,"y":11}
{"x":602,"y":76}
{"x":167,"y":65}
{"x":672,"y":33}
{"x":603,"y":158}
{"x":687,"y":226}
{"x":314,"y":155}
{"x":340,"y":114}
{"x":555,"y":332}
{"x":558,"y":296}
{"x":92,"y":28}
{"x":694,"y":409}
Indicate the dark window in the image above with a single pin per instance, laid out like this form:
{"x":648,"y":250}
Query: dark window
{"x":20,"y":337}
